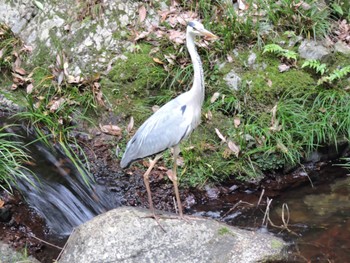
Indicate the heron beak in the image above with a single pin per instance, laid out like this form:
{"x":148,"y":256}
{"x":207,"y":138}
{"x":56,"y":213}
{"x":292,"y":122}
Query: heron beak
{"x":209,"y":35}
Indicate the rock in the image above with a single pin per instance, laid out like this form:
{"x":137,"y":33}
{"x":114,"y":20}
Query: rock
{"x":310,"y":49}
{"x":8,"y":254}
{"x":251,"y":59}
{"x":127,"y":235}
{"x":232,"y":80}
{"x":55,"y":26}
{"x":342,"y":47}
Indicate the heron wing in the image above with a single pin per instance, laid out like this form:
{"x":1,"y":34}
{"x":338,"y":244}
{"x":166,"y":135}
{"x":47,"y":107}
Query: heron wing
{"x":164,"y":129}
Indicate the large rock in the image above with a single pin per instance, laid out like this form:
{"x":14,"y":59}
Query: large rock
{"x":90,"y":38}
{"x":127,"y":235}
{"x":310,"y":49}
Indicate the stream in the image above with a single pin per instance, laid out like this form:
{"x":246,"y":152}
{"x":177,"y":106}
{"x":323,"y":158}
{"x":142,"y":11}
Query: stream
{"x":315,"y":204}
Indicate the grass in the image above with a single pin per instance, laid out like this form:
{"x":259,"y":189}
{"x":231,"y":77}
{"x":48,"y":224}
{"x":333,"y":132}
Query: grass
{"x":309,"y":112}
{"x":13,"y":157}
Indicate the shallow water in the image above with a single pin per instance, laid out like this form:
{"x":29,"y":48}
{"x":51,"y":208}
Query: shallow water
{"x":319,"y":216}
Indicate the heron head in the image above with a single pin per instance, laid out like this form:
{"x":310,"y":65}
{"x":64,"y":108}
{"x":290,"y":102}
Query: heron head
{"x":197,"y":28}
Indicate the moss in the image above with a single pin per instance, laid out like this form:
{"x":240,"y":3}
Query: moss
{"x":133,"y":83}
{"x":224,"y":231}
{"x":276,"y":244}
{"x":268,"y":85}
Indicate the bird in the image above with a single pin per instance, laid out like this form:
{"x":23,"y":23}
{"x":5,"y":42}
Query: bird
{"x":171,"y":123}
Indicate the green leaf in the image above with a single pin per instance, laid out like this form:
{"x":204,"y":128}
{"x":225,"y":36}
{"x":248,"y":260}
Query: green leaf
{"x":39,"y":5}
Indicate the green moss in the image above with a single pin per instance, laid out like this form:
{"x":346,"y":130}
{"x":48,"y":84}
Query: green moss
{"x":269,"y":84}
{"x":224,"y":231}
{"x":133,"y":84}
{"x":276,"y":244}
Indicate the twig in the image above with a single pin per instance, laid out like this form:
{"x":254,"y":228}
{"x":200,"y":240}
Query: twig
{"x":234,"y":207}
{"x":47,"y":243}
{"x":65,"y":245}
{"x":261,"y":196}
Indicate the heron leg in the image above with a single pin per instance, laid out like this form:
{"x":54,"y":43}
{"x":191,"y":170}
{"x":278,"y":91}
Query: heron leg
{"x":146,"y":181}
{"x":174,"y":180}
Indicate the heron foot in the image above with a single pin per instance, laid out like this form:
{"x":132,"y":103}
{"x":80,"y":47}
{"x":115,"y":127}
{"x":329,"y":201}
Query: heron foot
{"x":156,"y":218}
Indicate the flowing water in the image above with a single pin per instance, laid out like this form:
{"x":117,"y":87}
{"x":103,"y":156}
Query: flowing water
{"x":319,"y":216}
{"x":59,"y":193}
{"x":319,"y":213}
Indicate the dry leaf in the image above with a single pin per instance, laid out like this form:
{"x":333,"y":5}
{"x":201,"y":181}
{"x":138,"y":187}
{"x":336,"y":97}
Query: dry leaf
{"x":130,"y":125}
{"x":142,"y":35}
{"x":2,"y":202}
{"x":283,"y":68}
{"x":236,"y":122}
{"x":56,"y":104}
{"x":30,"y":88}
{"x":20,"y":71}
{"x":209,"y":115}
{"x":170,"y":175}
{"x":274,"y":113}
{"x":157,"y":60}
{"x":142,"y":13}
{"x":282,"y":147}
{"x":180,"y":161}
{"x":176,"y":36}
{"x":233,"y":147}
{"x":269,"y":83}
{"x":242,"y":5}
{"x":155,"y":108}
{"x":111,"y":129}
{"x":223,"y":139}
{"x":214,"y":97}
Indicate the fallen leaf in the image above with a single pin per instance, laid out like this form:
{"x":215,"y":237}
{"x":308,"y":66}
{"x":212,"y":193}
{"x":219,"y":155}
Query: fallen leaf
{"x":282,"y":147}
{"x":229,"y":59}
{"x":142,"y":35}
{"x":162,"y":168}
{"x":236,"y":122}
{"x":269,"y":83}
{"x":155,"y":108}
{"x":223,"y":139}
{"x":20,"y":71}
{"x":111,"y":129}
{"x":57,"y":104}
{"x":2,"y":202}
{"x":130,"y":125}
{"x":176,"y":36}
{"x":142,"y":13}
{"x":180,"y":161}
{"x":170,"y":175}
{"x":30,"y":88}
{"x":283,"y":68}
{"x":214,"y":97}
{"x":14,"y":86}
{"x":157,"y":60}
{"x":274,"y":113}
{"x":233,"y":147}
{"x":242,"y":5}
{"x":209,"y":115}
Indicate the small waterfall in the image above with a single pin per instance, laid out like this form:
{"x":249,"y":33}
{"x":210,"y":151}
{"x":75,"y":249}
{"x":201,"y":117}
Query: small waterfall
{"x":59,"y":193}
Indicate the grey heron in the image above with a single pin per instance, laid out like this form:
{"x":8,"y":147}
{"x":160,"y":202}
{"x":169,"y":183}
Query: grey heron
{"x":173,"y":122}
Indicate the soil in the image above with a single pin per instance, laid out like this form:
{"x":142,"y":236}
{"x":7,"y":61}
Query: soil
{"x":22,"y":228}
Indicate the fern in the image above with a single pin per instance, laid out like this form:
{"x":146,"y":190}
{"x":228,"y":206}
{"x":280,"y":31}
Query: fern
{"x":337,"y":74}
{"x":273,"y":48}
{"x":281,"y":52}
{"x":316,"y":65}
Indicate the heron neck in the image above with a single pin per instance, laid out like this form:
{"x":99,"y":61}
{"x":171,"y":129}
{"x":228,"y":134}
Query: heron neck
{"x":198,"y":81}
